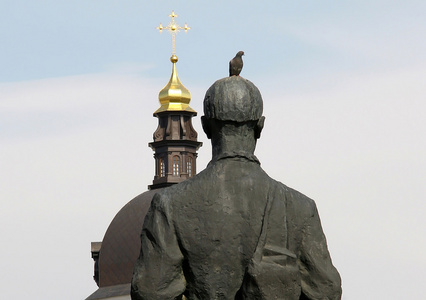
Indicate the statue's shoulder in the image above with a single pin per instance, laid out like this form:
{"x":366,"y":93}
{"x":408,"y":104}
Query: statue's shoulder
{"x":160,"y":200}
{"x":298,"y":201}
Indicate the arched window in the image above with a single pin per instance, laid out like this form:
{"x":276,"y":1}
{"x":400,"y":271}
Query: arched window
{"x":162,"y":168}
{"x":176,"y":165}
{"x":189,"y":167}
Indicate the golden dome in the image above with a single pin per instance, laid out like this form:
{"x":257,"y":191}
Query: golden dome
{"x":174,"y":96}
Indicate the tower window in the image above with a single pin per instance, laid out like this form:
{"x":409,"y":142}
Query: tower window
{"x":162,"y":168}
{"x":189,"y":166}
{"x":176,"y":165}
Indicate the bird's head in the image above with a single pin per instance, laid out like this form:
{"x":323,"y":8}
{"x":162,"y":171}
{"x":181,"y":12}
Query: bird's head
{"x":240,"y":53}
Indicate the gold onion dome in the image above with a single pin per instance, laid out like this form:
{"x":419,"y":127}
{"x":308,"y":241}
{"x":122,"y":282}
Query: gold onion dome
{"x":174,"y":96}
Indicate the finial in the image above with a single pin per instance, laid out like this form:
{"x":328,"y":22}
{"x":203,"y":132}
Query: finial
{"x":173,"y":28}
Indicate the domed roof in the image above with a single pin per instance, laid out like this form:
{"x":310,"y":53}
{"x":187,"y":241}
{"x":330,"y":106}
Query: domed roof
{"x":174,"y":96}
{"x":121,"y":244}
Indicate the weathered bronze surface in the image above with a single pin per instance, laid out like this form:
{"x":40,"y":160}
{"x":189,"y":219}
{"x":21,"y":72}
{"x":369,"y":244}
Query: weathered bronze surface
{"x":232,"y":232}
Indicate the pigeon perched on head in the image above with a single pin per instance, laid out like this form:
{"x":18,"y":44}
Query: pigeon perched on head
{"x":236,"y":64}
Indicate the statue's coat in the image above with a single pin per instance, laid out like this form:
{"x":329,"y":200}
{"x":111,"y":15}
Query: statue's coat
{"x":200,"y":237}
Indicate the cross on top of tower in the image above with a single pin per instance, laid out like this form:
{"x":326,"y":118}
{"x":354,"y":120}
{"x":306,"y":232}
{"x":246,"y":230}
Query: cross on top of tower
{"x":173,"y":28}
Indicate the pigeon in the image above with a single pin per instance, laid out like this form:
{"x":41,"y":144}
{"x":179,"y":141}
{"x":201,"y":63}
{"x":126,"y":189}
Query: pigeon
{"x":236,"y":64}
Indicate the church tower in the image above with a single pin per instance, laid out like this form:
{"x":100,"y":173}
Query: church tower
{"x":175,"y":140}
{"x":175,"y":145}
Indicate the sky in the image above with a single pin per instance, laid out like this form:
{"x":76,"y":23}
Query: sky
{"x":343,"y":84}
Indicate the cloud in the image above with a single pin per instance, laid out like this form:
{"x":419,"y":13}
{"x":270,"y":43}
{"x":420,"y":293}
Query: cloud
{"x":57,"y":106}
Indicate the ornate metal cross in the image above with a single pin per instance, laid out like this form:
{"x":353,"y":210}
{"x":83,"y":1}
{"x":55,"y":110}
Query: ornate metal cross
{"x":173,"y":28}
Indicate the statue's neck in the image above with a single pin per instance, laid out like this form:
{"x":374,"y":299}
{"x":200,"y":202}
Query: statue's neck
{"x":233,"y":140}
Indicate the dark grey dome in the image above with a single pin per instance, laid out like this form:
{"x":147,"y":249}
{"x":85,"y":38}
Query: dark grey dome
{"x":121,"y":243}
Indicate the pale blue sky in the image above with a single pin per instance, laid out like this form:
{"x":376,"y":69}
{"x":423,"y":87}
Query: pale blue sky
{"x":343,"y":84}
{"x":43,"y":39}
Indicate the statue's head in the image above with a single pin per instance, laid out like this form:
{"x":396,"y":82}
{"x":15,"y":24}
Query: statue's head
{"x":233,"y":99}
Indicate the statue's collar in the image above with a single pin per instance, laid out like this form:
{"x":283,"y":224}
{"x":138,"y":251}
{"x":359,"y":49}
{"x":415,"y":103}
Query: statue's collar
{"x":238,"y":155}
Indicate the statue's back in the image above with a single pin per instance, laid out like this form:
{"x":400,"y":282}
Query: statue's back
{"x":218,"y":218}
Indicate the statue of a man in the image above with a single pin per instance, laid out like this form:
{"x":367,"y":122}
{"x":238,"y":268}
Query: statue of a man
{"x":232,"y":232}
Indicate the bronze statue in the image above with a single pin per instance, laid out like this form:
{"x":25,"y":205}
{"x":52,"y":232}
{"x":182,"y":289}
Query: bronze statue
{"x":232,"y":232}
